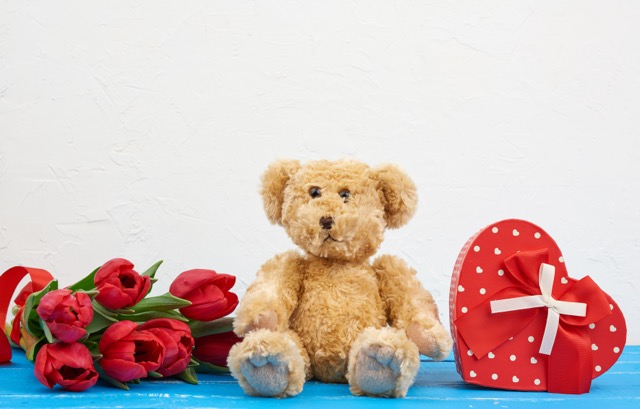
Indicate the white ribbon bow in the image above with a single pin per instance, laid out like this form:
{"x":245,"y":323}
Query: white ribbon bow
{"x":554,"y":307}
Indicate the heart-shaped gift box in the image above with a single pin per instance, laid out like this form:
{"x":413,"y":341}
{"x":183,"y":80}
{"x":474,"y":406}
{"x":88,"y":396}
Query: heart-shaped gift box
{"x":520,"y":322}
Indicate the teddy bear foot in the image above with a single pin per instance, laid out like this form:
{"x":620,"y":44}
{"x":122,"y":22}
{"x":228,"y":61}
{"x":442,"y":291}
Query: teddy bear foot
{"x":377,"y":370}
{"x":266,"y":374}
{"x":268,"y":363}
{"x":382,"y":362}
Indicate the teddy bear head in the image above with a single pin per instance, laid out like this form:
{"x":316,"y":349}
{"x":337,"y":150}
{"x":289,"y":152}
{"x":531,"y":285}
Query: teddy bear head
{"x":337,"y":210}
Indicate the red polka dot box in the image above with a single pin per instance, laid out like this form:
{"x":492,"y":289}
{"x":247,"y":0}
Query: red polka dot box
{"x":521,"y":323}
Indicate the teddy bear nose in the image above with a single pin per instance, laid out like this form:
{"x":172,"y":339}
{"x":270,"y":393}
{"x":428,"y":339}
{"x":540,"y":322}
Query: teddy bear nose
{"x":326,"y":222}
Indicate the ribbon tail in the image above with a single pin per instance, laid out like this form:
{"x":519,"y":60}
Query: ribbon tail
{"x":570,"y":367}
{"x":15,"y":328}
{"x":550,"y":332}
{"x":5,"y":349}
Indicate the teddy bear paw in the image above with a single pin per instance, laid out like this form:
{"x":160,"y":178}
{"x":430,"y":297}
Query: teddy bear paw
{"x":377,"y":370}
{"x":268,"y":375}
{"x":383,"y":363}
{"x":435,"y":342}
{"x":268,"y":363}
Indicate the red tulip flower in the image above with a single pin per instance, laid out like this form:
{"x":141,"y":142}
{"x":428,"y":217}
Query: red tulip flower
{"x":214,"y":349}
{"x":128,"y":354}
{"x":120,"y":286}
{"x":177,"y":340}
{"x":67,"y":365}
{"x":208,"y":292}
{"x":66,"y":314}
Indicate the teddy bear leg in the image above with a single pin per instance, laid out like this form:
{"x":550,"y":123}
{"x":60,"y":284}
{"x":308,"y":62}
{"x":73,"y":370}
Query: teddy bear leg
{"x":382,"y":362}
{"x":269,"y":363}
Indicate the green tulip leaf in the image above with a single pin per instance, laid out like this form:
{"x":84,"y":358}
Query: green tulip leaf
{"x":7,"y":330}
{"x":150,"y":315}
{"x":95,"y":337}
{"x":91,"y":293}
{"x":154,"y":374}
{"x":163,"y":302}
{"x":32,"y":323}
{"x":189,"y":376}
{"x":123,"y":311}
{"x":202,"y":328}
{"x":104,"y":312}
{"x":94,"y":350}
{"x":47,"y":332}
{"x":31,"y":318}
{"x":86,"y":283}
{"x":33,"y":350}
{"x":151,"y":271}
{"x":98,"y":323}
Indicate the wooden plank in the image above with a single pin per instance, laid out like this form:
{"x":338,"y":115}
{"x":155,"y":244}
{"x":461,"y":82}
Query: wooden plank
{"x":437,"y":386}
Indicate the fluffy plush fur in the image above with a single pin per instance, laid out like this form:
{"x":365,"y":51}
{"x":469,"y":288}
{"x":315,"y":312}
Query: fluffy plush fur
{"x":329,"y":313}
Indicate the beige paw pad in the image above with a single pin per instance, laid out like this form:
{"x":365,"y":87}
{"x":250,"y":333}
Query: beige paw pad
{"x":267,"y":375}
{"x":377,"y":370}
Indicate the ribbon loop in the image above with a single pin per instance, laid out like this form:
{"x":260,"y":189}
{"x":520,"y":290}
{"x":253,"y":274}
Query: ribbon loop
{"x":555,"y":308}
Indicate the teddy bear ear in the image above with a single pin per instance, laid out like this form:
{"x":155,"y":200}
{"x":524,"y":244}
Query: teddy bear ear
{"x":398,"y":194}
{"x":274,"y":181}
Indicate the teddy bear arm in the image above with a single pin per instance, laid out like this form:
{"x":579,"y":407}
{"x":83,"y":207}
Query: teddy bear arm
{"x":411,"y":307}
{"x":272,"y":297}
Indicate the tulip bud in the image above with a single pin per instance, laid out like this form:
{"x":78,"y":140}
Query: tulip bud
{"x":67,"y":365}
{"x":66,"y":314}
{"x":119,"y":285}
{"x":208,"y":292}
{"x":128,"y":354}
{"x":177,"y":340}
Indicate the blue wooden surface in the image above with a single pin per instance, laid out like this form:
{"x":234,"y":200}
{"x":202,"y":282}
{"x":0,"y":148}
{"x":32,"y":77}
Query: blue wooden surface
{"x":438,"y":385}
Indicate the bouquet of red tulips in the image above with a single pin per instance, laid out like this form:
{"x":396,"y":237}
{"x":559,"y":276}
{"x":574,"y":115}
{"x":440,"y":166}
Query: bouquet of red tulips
{"x":107,"y":327}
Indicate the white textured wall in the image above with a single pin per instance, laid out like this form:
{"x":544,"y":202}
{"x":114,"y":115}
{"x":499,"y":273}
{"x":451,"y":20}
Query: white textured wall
{"x":140,"y":129}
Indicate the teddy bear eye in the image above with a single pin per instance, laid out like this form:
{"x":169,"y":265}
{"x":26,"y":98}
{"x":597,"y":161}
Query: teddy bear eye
{"x":345,"y":194}
{"x":315,"y":192}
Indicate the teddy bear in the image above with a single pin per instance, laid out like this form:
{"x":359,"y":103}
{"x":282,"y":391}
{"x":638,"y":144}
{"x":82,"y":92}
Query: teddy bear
{"x":329,"y":312}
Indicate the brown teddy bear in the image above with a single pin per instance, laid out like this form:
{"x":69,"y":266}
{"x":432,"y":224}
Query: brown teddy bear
{"x":329,"y":313}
